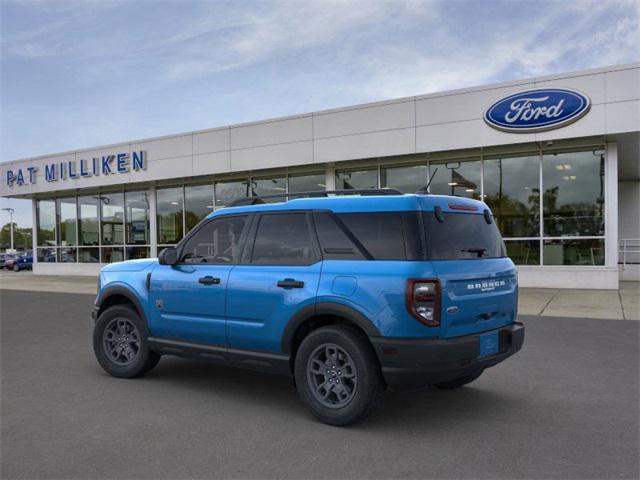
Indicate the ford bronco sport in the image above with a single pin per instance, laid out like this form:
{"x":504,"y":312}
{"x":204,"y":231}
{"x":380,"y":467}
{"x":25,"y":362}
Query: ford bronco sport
{"x":348,"y":294}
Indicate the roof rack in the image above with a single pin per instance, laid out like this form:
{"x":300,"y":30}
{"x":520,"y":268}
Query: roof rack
{"x":315,"y":194}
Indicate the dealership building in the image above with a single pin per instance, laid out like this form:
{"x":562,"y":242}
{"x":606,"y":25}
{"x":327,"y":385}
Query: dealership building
{"x":556,"y":158}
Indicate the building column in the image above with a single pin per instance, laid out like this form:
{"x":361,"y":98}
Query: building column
{"x":611,"y":205}
{"x":330,"y":177}
{"x":153,"y":223}
{"x":34,"y":232}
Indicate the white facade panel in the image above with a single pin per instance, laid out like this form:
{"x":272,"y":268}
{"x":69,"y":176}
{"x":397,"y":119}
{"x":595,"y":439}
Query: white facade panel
{"x":593,"y":123}
{"x":211,"y":141}
{"x":378,"y":144}
{"x":623,"y":85}
{"x":170,"y":147}
{"x":271,"y":133}
{"x":167,"y":168}
{"x":367,"y":119}
{"x":568,"y":277}
{"x":623,"y":116}
{"x":592,"y":85}
{"x":210,"y":163}
{"x":286,"y":154}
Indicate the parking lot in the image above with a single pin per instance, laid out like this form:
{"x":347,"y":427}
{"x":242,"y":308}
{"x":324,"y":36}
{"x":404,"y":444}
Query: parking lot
{"x":566,"y":406}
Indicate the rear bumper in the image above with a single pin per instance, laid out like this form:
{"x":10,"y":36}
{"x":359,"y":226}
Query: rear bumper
{"x":415,"y":363}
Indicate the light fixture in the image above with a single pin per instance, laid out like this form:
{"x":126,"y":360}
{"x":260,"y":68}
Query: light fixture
{"x":567,"y":166}
{"x":322,"y":185}
{"x":469,"y":190}
{"x":175,"y":203}
{"x":452,"y":184}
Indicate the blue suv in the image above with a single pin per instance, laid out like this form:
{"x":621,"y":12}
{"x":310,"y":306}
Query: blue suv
{"x":348,"y":294}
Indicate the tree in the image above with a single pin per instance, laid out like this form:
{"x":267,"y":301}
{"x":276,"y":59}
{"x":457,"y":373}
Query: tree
{"x":21,"y":237}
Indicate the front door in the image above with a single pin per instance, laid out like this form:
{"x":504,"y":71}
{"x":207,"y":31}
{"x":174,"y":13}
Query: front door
{"x":187,"y":301}
{"x":279,"y":276}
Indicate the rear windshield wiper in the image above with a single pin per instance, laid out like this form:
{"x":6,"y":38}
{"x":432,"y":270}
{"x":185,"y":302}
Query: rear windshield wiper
{"x":480,"y":251}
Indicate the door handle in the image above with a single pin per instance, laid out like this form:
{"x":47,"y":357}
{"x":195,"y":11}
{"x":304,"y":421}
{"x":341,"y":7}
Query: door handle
{"x":290,"y":283}
{"x":209,"y":280}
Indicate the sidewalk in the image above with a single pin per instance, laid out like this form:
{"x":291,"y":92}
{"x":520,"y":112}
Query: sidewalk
{"x":623,"y":304}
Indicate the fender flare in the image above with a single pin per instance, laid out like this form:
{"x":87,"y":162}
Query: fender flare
{"x":125,"y":292}
{"x":326,"y":308}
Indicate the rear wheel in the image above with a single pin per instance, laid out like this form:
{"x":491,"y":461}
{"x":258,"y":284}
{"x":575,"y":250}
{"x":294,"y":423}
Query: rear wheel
{"x":16,"y":268}
{"x":120,"y":343}
{"x":337,"y":375}
{"x":460,"y":381}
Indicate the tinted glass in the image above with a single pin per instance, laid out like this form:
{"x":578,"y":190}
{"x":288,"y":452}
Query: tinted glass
{"x":112,"y":218}
{"x":67,"y":212}
{"x":381,"y":234}
{"x":169,"y":206}
{"x":198,"y":203}
{"x":112,"y":254}
{"x":574,"y":252}
{"x":363,"y":179}
{"x":137,"y":217}
{"x":573,"y":198}
{"x":216,"y":242}
{"x":306,"y":183}
{"x":137,"y":252}
{"x":461,"y":236}
{"x":47,"y":255}
{"x":67,"y":255}
{"x":89,"y":255}
{"x":283,"y":239}
{"x":269,"y":186}
{"x":523,"y":252}
{"x":334,"y":242}
{"x":512,"y":190}
{"x":406,"y":179}
{"x":227,"y":192}
{"x":46,"y":222}
{"x":88,"y":220}
{"x":461,"y":179}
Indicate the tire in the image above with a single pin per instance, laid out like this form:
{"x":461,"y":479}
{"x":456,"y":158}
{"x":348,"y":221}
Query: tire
{"x":131,"y":358}
{"x":355,"y":385}
{"x":16,"y":268}
{"x":460,"y":381}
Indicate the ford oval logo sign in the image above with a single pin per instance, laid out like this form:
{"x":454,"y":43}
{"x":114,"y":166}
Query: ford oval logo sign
{"x":537,"y":110}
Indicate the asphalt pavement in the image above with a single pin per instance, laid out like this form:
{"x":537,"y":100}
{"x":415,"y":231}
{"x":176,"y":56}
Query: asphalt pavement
{"x":565,"y":406}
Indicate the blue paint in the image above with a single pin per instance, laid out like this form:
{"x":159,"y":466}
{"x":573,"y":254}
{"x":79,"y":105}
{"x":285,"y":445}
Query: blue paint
{"x":122,"y":163}
{"x":537,"y":110}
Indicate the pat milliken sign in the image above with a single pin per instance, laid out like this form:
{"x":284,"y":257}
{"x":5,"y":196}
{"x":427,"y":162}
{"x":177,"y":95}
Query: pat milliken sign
{"x":537,"y":110}
{"x":117,"y":163}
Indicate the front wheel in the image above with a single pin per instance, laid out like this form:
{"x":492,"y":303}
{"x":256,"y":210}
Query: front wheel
{"x":337,"y":375}
{"x":16,"y":268}
{"x":120,"y":343}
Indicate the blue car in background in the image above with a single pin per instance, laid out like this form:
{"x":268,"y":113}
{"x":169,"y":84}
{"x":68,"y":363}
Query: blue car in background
{"x":23,"y":262}
{"x":350,"y":295}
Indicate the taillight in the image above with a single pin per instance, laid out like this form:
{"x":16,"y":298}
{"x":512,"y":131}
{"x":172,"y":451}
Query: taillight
{"x":423,"y":301}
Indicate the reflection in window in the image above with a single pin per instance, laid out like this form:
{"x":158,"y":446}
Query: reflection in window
{"x":66,"y":221}
{"x":112,"y":254}
{"x":269,"y":186}
{"x":283,"y":239}
{"x":573,"y":198}
{"x":360,"y":180}
{"x":169,"y":207}
{"x":574,"y":252}
{"x":307,"y":183}
{"x":89,"y":255}
{"x":524,"y":252}
{"x":406,"y":179}
{"x":227,"y":192}
{"x":46,"y":218}
{"x":112,"y":218}
{"x":216,"y":242}
{"x":88,"y":220}
{"x":133,"y":253}
{"x":512,"y":190}
{"x":198,"y":203}
{"x":461,"y":179}
{"x":67,"y":255}
{"x":137,"y":217}
{"x":47,"y":255}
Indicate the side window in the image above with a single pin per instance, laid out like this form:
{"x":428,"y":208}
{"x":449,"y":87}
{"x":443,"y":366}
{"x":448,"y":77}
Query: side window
{"x":283,"y":239}
{"x":334,"y":242}
{"x":381,"y":233}
{"x":216,"y":242}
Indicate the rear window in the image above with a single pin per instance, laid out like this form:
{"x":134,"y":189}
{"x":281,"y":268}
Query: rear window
{"x":380,"y":233}
{"x":461,"y":236}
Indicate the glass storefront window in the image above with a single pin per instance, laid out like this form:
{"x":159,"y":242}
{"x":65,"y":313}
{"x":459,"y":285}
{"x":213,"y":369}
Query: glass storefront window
{"x":133,"y":253}
{"x":169,"y":207}
{"x":523,"y":252}
{"x":46,"y":217}
{"x":461,"y":179}
{"x":137,"y":217}
{"x":67,"y":222}
{"x":112,"y":254}
{"x":307,"y":183}
{"x":47,"y":255}
{"x":574,"y":252}
{"x":89,"y":255}
{"x":573,"y":198}
{"x":67,"y":255}
{"x":198,"y":203}
{"x":358,"y":180}
{"x":512,"y":190}
{"x":112,"y":219}
{"x":227,"y":192}
{"x":406,"y":179}
{"x":269,"y":186}
{"x":88,"y":220}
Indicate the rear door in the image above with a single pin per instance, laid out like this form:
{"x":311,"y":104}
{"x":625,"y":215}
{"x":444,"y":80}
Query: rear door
{"x":478,"y":282}
{"x":278,"y":275}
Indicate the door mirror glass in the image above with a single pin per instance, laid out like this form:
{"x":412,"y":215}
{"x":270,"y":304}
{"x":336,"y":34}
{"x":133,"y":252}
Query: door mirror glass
{"x":168,"y":256}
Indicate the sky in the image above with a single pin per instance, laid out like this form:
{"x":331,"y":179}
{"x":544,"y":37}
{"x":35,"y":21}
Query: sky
{"x":86,"y":73}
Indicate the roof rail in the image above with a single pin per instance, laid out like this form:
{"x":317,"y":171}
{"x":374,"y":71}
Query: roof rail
{"x":257,"y":200}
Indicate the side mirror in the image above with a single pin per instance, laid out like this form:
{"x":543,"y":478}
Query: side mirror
{"x":168,"y":256}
